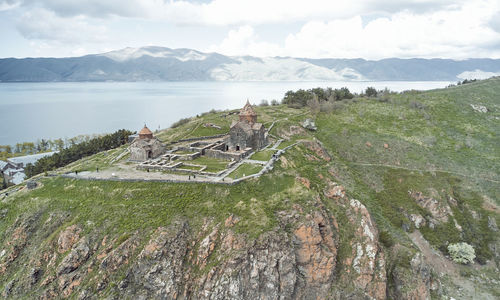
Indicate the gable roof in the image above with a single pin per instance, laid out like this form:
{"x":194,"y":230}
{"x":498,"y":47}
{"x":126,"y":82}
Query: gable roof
{"x":247,"y":110}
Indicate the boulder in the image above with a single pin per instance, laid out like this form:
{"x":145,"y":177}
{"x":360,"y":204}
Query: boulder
{"x":309,"y":125}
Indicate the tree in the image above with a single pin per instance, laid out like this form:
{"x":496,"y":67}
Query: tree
{"x":371,"y":92}
{"x":78,"y":151}
{"x":313,"y":104}
{"x":462,"y":253}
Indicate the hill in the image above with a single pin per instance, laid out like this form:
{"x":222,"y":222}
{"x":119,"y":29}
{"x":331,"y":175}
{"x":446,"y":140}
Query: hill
{"x":363,"y":207}
{"x":165,"y":64}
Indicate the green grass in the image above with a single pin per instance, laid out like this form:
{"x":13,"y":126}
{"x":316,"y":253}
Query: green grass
{"x":285,"y":144}
{"x":245,"y":170}
{"x":264,"y":155}
{"x":186,"y":167}
{"x":213,"y":165}
{"x":102,"y":160}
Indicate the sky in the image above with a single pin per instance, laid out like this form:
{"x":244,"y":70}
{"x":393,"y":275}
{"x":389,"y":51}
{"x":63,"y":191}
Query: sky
{"x":369,"y":29}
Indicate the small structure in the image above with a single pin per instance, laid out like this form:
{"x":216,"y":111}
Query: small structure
{"x":246,"y":133}
{"x":145,"y":146}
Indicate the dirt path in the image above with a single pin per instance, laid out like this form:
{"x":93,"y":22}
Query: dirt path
{"x":465,"y":288}
{"x":440,"y":263}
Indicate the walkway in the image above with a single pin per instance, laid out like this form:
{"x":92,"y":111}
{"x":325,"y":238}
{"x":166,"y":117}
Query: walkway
{"x":124,"y":172}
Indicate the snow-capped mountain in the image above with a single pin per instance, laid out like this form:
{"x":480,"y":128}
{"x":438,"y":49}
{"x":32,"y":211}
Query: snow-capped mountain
{"x":164,"y":64}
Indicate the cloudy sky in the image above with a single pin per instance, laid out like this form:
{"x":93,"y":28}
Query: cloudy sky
{"x":370,"y":29}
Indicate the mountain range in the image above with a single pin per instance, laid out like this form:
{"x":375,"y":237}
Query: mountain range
{"x":164,"y":64}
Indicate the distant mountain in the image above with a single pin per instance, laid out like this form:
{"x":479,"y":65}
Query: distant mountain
{"x":165,"y":64}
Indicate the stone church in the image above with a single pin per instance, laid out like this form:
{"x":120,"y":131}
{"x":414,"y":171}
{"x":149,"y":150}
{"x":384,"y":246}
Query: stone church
{"x":246,"y":133}
{"x":145,"y":146}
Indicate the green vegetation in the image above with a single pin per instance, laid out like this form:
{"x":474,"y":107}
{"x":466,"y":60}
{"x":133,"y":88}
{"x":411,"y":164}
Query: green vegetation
{"x":301,"y":98}
{"x":462,"y":253}
{"x":245,"y":170}
{"x":187,"y":167}
{"x":264,"y":155}
{"x":214,"y":165}
{"x":382,"y":148}
{"x":78,"y":151}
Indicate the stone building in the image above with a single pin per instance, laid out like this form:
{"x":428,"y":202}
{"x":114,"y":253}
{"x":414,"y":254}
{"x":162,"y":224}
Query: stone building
{"x":145,"y":146}
{"x":246,"y":133}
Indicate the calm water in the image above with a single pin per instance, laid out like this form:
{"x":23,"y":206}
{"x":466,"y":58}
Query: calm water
{"x":31,"y":111}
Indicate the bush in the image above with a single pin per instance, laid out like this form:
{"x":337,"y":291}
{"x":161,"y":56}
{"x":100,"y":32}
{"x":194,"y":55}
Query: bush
{"x":274,"y":102}
{"x":371,"y":92}
{"x":462,"y":253}
{"x":328,"y":107}
{"x":386,"y":239}
{"x":301,"y":98}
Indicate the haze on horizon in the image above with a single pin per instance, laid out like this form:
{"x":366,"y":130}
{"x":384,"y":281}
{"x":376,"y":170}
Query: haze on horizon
{"x":372,"y":29}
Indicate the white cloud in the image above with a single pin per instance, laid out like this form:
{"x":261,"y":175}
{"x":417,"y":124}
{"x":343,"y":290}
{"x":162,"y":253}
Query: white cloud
{"x":231,"y":12}
{"x":458,"y":33}
{"x":41,"y":24}
{"x":328,"y":28}
{"x":244,"y":41}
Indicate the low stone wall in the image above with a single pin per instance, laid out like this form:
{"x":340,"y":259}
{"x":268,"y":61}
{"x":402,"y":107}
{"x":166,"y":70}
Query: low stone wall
{"x":201,"y":138}
{"x":219,"y":154}
{"x":149,"y":180}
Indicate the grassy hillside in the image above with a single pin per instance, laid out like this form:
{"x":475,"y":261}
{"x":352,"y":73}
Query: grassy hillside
{"x":383,"y":151}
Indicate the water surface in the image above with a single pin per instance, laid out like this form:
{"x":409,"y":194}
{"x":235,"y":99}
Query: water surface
{"x":32,"y":111}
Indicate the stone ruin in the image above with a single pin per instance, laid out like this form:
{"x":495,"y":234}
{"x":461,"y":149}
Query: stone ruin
{"x":244,"y":137}
{"x":145,"y":146}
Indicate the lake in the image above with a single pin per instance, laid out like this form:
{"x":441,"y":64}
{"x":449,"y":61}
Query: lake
{"x":32,"y":111}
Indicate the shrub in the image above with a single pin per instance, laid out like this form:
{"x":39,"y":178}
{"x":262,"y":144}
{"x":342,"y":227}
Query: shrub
{"x":386,"y":239}
{"x":462,"y":253}
{"x":264,"y":102}
{"x":371,"y":92}
{"x":417,"y":105}
{"x":274,"y":102}
{"x":328,"y":107}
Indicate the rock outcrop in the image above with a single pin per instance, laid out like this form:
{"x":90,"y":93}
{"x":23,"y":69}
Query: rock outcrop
{"x":303,"y":257}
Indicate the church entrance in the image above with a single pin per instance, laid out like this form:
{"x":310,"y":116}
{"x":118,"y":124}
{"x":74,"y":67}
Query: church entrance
{"x":237,"y":147}
{"x":149,"y":154}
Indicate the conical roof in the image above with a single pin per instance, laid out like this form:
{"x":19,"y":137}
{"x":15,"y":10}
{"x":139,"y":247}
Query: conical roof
{"x":145,"y":131}
{"x":247,"y":110}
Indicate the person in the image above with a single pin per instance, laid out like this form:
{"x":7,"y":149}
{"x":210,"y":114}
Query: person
{"x":97,"y":169}
{"x":189,"y":177}
{"x":76,"y":172}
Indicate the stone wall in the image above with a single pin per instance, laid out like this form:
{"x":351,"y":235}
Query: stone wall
{"x":219,"y":154}
{"x":144,"y":149}
{"x":201,"y":138}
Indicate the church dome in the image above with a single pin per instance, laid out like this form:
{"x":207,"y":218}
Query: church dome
{"x":145,"y":133}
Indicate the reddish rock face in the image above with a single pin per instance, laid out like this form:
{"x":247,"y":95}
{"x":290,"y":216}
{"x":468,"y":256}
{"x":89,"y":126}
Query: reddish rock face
{"x":317,"y":251}
{"x":439,"y":210}
{"x":304,"y":181}
{"x":318,"y":149}
{"x":334,"y":191}
{"x":68,"y":238}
